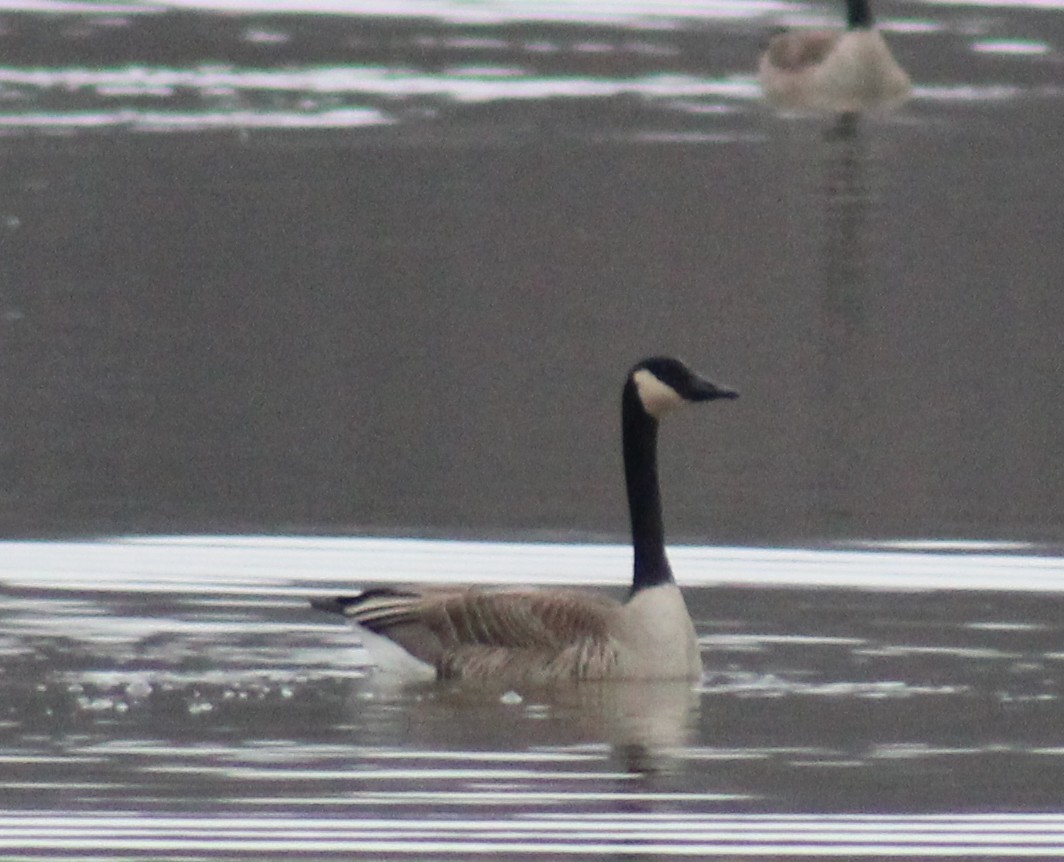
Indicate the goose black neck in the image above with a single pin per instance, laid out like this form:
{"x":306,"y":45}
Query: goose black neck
{"x":640,"y":445}
{"x":858,"y":15}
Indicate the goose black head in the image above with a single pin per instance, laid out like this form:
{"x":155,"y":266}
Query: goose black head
{"x":662,"y":383}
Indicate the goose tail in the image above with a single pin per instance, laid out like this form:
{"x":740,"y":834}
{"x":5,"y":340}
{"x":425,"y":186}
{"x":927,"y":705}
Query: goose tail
{"x":374,"y":609}
{"x":331,"y":604}
{"x":386,"y":621}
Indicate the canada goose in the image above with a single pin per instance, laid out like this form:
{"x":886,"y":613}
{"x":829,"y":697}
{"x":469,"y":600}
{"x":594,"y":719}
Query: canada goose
{"x":548,"y":635}
{"x":833,"y":70}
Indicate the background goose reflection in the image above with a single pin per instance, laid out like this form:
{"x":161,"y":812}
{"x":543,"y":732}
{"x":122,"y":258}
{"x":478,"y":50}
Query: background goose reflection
{"x":846,"y":364}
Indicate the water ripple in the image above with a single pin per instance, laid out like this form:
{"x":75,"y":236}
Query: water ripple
{"x":633,"y":834}
{"x":279,"y":566}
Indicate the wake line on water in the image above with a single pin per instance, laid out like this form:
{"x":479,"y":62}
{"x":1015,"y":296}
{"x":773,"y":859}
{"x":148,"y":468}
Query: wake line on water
{"x":298,"y":566}
{"x":1001,"y":834}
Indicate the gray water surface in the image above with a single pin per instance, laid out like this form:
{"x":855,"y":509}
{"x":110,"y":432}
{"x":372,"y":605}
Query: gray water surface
{"x":223,"y":311}
{"x":154,"y":716}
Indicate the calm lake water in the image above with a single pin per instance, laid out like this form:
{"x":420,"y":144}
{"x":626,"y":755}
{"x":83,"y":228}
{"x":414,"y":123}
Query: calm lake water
{"x":301,"y":296}
{"x":175,"y":698}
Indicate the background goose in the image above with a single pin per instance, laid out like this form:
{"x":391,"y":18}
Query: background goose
{"x":545,"y":635}
{"x":836,"y":70}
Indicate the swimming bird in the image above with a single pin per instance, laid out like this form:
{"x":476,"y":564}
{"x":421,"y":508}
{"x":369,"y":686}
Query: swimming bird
{"x":833,"y":70}
{"x":548,"y":635}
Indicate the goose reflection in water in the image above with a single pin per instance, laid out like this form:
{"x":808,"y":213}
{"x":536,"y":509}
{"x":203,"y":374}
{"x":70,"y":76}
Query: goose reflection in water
{"x":646,"y":725}
{"x":849,"y":70}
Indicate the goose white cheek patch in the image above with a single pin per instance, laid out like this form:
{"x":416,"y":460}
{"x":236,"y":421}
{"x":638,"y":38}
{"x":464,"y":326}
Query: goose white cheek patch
{"x":658,"y":398}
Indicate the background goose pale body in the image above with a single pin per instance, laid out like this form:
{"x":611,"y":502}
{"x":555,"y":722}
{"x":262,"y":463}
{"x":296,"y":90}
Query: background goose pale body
{"x":833,"y":70}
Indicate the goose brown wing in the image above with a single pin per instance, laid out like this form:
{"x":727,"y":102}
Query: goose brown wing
{"x":525,"y":619}
{"x":433,"y":622}
{"x":793,"y":52}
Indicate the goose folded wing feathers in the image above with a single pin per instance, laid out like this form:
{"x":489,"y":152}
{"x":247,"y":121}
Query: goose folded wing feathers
{"x":432,"y":623}
{"x":795,"y":51}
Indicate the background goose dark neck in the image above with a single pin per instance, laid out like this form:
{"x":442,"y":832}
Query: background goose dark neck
{"x":858,"y":15}
{"x":640,"y":447}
